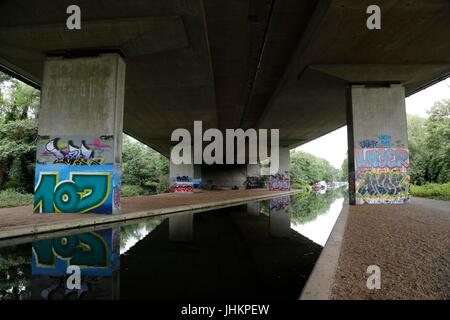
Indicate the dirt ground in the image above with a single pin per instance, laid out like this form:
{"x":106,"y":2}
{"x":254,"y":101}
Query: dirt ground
{"x":411,"y":245}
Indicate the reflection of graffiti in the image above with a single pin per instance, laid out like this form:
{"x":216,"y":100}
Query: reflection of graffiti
{"x":254,"y":182}
{"x":383,"y":187}
{"x":61,"y":188}
{"x":280,"y":203}
{"x":95,"y":253}
{"x":77,"y":174}
{"x":381,"y":174}
{"x":279,"y":182}
{"x":84,"y":250}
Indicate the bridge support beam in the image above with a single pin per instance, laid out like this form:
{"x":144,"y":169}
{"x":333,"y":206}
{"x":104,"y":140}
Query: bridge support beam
{"x":79,"y":149}
{"x":281,"y":180}
{"x":181,"y":176}
{"x":378,"y":145}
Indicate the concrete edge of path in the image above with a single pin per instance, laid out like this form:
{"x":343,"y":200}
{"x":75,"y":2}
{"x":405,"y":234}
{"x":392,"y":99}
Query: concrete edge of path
{"x":320,"y":282}
{"x":30,"y":230}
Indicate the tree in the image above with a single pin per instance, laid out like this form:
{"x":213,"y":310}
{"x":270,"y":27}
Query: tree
{"x":429,"y":145}
{"x":307,"y":168}
{"x":438,"y":141}
{"x":142,"y":166}
{"x":344,"y":170}
{"x":18,"y":132}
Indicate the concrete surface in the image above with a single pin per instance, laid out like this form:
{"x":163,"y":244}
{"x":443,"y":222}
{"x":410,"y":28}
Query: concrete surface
{"x":274,"y":64}
{"x":320,"y":282}
{"x":410,"y":243}
{"x":20,"y":221}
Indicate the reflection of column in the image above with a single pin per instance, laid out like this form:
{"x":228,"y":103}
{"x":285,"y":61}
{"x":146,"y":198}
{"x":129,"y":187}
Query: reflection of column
{"x":254,"y":208}
{"x":280,"y":216}
{"x":96,"y":254}
{"x":180,"y":227}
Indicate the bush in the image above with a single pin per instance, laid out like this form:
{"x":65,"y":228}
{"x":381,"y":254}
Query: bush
{"x":12,"y":198}
{"x":163,"y":185}
{"x":432,"y":190}
{"x":131,"y":191}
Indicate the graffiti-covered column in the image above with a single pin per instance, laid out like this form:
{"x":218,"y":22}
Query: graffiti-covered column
{"x":281,"y":180}
{"x":78,"y":163}
{"x":377,"y":134}
{"x":181,"y":175}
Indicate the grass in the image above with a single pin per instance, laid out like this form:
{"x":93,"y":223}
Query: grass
{"x":12,"y":198}
{"x":432,"y":190}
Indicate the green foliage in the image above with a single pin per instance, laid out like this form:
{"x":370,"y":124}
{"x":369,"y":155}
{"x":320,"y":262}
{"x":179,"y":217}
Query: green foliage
{"x":144,"y":167}
{"x":15,"y":272}
{"x":432,"y":190}
{"x":131,"y":191}
{"x":306,"y":207}
{"x":12,"y":198}
{"x":429,"y":145}
{"x":344,"y":170}
{"x":308,"y":169}
{"x":18,"y":131}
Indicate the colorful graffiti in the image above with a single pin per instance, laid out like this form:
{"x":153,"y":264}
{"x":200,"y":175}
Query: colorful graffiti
{"x":383,"y":187}
{"x":280,"y":182}
{"x":254,"y":182}
{"x":381,"y":174}
{"x":89,"y":150}
{"x":97,"y":254}
{"x":183,"y":184}
{"x":379,"y":158}
{"x":77,"y":176}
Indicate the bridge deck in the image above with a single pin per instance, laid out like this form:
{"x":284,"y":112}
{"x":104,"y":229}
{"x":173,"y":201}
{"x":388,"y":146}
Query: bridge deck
{"x":20,"y":221}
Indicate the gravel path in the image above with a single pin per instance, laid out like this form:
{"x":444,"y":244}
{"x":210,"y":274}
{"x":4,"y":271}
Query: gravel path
{"x":411,"y":245}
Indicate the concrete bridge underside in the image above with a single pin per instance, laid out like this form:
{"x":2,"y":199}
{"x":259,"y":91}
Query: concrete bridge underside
{"x":269,"y":64}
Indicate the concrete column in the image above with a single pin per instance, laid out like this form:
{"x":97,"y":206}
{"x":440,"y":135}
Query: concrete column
{"x":253,"y":170}
{"x":181,"y":177}
{"x":282,"y":180}
{"x":79,"y":151}
{"x":280,"y":217}
{"x":181,"y":227}
{"x":378,"y":145}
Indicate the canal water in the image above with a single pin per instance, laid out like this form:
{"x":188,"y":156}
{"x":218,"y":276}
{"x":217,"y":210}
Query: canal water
{"x":262,"y":250}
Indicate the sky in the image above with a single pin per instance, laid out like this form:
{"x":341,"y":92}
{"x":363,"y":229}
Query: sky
{"x":333,"y":146}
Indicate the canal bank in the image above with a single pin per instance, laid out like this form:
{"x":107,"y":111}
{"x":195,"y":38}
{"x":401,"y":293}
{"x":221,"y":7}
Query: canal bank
{"x":20,"y":221}
{"x":409,"y":243}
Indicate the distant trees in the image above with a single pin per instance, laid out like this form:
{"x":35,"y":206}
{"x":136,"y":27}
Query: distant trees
{"x":144,"y":167}
{"x":18,"y":130}
{"x":308,"y":169}
{"x":429,"y":145}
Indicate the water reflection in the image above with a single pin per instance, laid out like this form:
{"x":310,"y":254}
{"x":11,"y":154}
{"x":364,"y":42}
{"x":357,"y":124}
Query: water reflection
{"x":259,"y":250}
{"x":314,"y":216}
{"x":97,"y":256}
{"x":280,"y":216}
